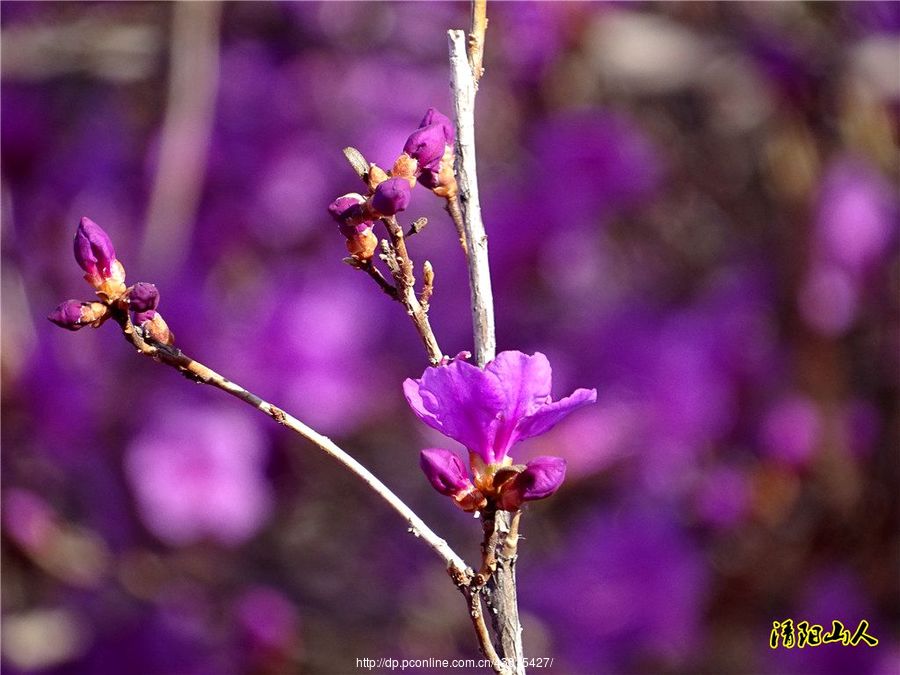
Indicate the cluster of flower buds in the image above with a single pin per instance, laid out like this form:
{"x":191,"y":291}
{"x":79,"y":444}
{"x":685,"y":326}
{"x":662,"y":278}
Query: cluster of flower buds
{"x":96,"y":255}
{"x":505,"y":484}
{"x":489,"y":410}
{"x":427,"y":158}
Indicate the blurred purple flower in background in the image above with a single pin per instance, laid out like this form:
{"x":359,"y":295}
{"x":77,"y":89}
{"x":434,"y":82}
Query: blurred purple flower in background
{"x":631,"y":580}
{"x":199,"y":475}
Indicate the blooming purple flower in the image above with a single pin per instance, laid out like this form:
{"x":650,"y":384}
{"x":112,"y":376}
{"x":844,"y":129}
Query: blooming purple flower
{"x":489,"y":411}
{"x":144,"y":297}
{"x":391,"y":196}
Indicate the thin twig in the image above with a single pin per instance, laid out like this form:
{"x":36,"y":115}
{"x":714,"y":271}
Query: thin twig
{"x":484,"y":638}
{"x":406,"y":290}
{"x":399,"y":263}
{"x":511,"y":542}
{"x":455,"y":210}
{"x":476,"y":39}
{"x":466,"y":176}
{"x":488,"y":549}
{"x":198,"y":372}
{"x":370,"y":269}
{"x":500,"y":591}
{"x":417,"y":226}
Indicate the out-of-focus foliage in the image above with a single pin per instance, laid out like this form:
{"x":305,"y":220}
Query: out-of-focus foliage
{"x":691,"y":207}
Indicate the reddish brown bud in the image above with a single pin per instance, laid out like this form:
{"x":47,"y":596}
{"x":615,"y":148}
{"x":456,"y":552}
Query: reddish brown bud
{"x":376,"y":176}
{"x":405,"y":167}
{"x":362,"y":245}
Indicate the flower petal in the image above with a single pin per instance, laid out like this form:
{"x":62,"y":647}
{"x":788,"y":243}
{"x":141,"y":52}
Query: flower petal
{"x":548,"y":416}
{"x":461,"y":401}
{"x":525,"y":380}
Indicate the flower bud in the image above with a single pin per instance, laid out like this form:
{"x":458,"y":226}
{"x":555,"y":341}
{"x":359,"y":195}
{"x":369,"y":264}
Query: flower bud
{"x":541,"y":477}
{"x":441,"y":181}
{"x":351,"y":213}
{"x":363,"y":244}
{"x":376,"y":176}
{"x":444,"y":470}
{"x":406,"y":167}
{"x":426,"y":146}
{"x":432,"y":116}
{"x":75,"y":314}
{"x":391,"y":196}
{"x":447,"y":474}
{"x":143,"y":297}
{"x":340,"y":207}
{"x":95,"y":254}
{"x":154,"y":327}
{"x":428,"y":143}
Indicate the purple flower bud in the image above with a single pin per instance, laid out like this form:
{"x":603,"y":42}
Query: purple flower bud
{"x":350,"y":213}
{"x":427,"y":145}
{"x":540,"y":479}
{"x":445,"y":471}
{"x":432,"y":116}
{"x":340,"y":206}
{"x":67,"y":315}
{"x":391,"y":196}
{"x":141,"y":317}
{"x":143,"y":297}
{"x":94,"y":250}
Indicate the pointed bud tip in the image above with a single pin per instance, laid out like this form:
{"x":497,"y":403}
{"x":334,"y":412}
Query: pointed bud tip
{"x":67,"y":315}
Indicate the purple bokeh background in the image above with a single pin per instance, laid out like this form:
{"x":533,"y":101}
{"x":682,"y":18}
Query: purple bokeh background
{"x":691,"y":207}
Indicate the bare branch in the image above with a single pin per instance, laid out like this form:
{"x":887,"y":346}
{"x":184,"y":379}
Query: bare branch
{"x":198,"y":372}
{"x":476,"y":39}
{"x":477,"y":251}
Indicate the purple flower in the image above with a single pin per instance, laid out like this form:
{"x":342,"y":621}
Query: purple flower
{"x":391,"y":196}
{"x":540,"y":479}
{"x":427,"y":143}
{"x":201,"y":475}
{"x":95,"y":254}
{"x":144,"y":297}
{"x":491,"y":410}
{"x":68,"y":315}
